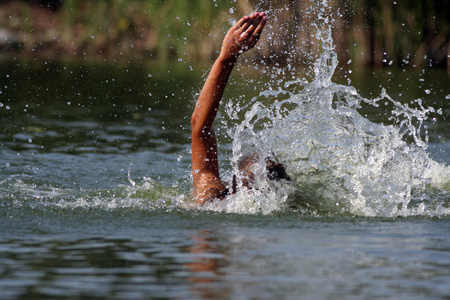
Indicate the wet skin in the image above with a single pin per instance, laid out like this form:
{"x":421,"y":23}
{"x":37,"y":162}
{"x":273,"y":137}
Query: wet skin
{"x":240,"y":38}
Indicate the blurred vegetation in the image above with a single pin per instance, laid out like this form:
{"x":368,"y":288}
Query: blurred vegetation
{"x":370,"y":33}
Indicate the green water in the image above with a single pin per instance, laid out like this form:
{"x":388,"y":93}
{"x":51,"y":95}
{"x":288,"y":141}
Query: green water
{"x":142,"y":254}
{"x":94,"y":197}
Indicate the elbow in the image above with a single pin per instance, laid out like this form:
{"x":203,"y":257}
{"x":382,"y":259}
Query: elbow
{"x":193,"y":121}
{"x":200,"y":130}
{"x":196,"y":128}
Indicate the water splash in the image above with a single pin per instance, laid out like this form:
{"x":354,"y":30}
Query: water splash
{"x":340,"y":162}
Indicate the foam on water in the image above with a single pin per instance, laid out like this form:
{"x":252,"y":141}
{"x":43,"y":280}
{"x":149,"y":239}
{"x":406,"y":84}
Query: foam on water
{"x":35,"y":194}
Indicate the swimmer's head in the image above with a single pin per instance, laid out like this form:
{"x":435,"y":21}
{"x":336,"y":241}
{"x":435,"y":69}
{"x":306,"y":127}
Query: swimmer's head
{"x":274,"y":170}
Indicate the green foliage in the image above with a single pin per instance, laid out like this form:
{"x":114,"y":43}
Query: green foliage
{"x":164,"y":29}
{"x":369,"y":32}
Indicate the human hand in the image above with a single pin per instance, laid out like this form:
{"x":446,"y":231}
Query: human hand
{"x":243,"y":35}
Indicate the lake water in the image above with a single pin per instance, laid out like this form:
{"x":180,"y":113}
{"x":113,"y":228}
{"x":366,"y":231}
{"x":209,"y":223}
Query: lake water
{"x":95,"y":185}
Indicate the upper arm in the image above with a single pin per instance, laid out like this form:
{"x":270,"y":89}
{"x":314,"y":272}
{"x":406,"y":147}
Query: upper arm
{"x":204,"y":151}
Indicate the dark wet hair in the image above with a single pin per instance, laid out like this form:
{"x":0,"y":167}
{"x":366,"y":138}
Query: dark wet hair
{"x":275,"y":170}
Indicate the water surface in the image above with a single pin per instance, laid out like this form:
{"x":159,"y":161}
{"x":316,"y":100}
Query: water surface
{"x":95,"y":193}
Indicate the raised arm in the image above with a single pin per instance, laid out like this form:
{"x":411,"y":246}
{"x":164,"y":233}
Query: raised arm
{"x":240,"y":38}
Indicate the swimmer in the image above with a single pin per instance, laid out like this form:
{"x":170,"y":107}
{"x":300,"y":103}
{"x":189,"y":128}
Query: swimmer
{"x":205,"y":168}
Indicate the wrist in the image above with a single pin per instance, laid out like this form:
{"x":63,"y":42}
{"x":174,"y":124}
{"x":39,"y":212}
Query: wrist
{"x":228,"y":58}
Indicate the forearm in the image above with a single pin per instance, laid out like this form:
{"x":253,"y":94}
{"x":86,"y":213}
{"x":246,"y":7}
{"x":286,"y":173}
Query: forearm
{"x":212,"y":92}
{"x":240,"y":38}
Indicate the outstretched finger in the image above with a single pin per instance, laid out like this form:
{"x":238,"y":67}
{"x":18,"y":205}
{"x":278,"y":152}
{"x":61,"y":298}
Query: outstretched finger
{"x":243,"y":25}
{"x":241,"y":22}
{"x":247,"y":29}
{"x":257,"y":32}
{"x":254,"y":25}
{"x":260,"y":25}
